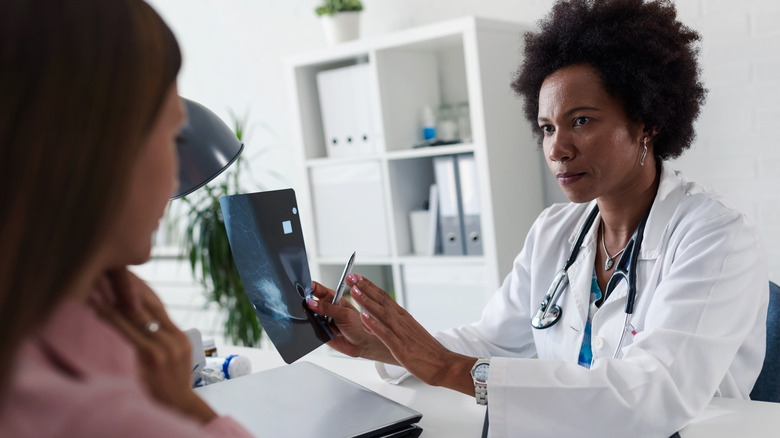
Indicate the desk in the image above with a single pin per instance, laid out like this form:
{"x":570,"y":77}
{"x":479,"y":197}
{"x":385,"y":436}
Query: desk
{"x":448,"y":413}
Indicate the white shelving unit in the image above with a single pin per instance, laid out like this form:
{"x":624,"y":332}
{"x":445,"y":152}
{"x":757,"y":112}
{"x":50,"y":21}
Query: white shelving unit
{"x":468,"y":59}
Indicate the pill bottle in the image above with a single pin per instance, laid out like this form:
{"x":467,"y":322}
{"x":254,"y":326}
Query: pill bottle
{"x":209,"y":347}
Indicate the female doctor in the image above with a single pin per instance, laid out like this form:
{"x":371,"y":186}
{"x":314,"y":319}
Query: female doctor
{"x":659,"y":293}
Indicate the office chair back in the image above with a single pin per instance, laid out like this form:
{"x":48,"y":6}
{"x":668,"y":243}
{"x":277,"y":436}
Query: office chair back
{"x":767,"y":386}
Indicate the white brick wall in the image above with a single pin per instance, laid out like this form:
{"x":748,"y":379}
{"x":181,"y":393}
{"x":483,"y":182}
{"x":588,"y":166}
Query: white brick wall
{"x":738,"y":149}
{"x":237,"y":64}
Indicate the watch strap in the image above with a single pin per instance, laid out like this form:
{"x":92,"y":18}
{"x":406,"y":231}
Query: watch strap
{"x":480,"y":387}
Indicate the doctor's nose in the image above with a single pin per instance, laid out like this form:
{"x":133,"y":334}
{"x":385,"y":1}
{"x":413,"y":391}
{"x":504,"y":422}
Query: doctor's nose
{"x":559,"y":147}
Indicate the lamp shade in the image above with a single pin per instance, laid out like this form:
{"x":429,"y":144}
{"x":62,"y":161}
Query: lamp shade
{"x":206,"y":147}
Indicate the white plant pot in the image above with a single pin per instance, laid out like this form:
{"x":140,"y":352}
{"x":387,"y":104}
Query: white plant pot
{"x":343,"y":26}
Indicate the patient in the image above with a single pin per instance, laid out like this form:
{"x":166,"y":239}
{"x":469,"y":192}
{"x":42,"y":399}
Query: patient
{"x":88,"y":120}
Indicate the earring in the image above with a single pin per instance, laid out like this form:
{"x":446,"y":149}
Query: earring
{"x":644,"y":152}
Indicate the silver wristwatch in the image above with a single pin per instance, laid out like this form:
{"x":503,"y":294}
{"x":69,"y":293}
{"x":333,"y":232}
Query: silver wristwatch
{"x":479,"y":373}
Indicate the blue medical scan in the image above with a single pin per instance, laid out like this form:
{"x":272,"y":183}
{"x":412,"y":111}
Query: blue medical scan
{"x":266,"y":239}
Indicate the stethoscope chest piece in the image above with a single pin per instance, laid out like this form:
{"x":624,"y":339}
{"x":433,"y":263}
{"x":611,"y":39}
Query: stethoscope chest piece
{"x":549,"y":313}
{"x":543,"y":321}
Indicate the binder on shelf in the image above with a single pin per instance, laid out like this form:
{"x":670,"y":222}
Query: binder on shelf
{"x":450,"y":225}
{"x":434,"y":241}
{"x":469,"y":194}
{"x":366,"y":120}
{"x":346,"y":106}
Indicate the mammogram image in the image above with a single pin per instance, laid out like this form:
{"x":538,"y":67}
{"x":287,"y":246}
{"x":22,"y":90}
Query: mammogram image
{"x":266,"y":240}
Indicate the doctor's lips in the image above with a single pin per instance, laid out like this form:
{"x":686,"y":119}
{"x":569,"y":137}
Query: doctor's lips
{"x":568,"y":177}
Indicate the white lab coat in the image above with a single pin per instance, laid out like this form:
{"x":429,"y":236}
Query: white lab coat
{"x":699,"y":317}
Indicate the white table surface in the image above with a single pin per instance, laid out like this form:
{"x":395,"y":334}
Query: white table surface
{"x":448,"y":413}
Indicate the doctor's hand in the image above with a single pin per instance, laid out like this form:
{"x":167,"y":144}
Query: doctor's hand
{"x":163,"y":351}
{"x":410,"y":344}
{"x":350,"y":338}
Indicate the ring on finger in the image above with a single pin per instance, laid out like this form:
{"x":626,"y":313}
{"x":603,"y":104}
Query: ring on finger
{"x":153,"y":326}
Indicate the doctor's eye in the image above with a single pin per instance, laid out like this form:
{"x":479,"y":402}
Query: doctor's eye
{"x":579,"y":121}
{"x":547,"y":129}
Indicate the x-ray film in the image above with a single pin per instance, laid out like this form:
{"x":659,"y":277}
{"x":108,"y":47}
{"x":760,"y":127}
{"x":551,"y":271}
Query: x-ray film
{"x":265,"y":236}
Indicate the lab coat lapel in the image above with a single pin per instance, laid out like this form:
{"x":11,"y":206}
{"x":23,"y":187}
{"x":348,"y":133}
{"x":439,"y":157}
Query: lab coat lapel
{"x":578,"y":299}
{"x":670,"y":193}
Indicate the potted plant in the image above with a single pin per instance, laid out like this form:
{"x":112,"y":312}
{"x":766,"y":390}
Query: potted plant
{"x":206,"y":245}
{"x":340,"y":19}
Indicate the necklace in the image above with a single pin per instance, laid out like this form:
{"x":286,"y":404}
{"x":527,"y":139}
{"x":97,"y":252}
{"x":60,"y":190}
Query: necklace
{"x":610,"y":259}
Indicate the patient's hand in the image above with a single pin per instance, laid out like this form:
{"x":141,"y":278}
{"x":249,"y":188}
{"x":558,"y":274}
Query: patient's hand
{"x":164,"y":351}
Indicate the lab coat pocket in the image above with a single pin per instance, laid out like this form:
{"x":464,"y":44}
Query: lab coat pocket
{"x":561,"y":341}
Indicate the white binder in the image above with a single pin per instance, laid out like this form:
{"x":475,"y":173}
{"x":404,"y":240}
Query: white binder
{"x":469,"y":194}
{"x":366,"y":124}
{"x":330,"y":86}
{"x":347,"y":109}
{"x":434,"y":241}
{"x":450,"y":224}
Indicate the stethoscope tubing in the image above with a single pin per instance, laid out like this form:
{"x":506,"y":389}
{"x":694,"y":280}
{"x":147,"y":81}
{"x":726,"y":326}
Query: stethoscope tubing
{"x":549,"y":312}
{"x":543,"y":318}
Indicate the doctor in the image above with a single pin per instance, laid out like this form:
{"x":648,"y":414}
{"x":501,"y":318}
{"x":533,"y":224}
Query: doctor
{"x":612,"y":88}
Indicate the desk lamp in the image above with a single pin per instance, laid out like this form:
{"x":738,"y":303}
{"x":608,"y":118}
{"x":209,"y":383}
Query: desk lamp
{"x":206,"y":147}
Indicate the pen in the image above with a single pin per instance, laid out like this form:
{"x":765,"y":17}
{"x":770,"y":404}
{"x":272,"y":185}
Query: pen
{"x":342,"y":282}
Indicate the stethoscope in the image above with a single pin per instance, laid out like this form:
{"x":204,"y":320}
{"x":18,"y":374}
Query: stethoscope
{"x":549,"y":312}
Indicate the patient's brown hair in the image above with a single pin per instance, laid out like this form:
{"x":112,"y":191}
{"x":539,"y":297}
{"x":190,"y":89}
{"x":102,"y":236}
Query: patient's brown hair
{"x":81,"y":83}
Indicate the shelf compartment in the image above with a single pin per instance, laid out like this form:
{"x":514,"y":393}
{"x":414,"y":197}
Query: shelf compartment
{"x":416,"y":75}
{"x":410,"y":182}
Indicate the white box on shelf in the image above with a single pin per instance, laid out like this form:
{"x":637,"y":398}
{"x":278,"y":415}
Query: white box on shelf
{"x":432,"y":291}
{"x":349,"y":210}
{"x":420,"y":227}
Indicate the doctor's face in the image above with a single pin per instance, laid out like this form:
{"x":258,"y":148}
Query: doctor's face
{"x":590,"y":145}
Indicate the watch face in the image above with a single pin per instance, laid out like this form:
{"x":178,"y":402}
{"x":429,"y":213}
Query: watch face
{"x":481,"y":372}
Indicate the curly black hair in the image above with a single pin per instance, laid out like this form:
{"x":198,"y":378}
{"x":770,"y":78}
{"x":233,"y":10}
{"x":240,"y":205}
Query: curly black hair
{"x":645,"y":57}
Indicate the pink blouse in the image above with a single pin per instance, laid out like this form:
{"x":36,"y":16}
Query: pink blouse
{"x":79,"y":377}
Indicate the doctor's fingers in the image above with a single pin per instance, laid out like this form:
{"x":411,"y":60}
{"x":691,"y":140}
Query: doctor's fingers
{"x":410,"y":345}
{"x":325,"y":296}
{"x":322,"y":292}
{"x":400,"y":333}
{"x":362,"y":289}
{"x":341,"y":313}
{"x":376,"y":301}
{"x":386,"y":319}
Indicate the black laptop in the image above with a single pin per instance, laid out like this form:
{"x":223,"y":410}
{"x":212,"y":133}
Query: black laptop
{"x":306,"y":400}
